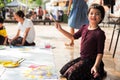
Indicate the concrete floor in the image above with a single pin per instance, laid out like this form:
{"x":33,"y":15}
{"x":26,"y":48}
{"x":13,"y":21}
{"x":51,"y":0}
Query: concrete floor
{"x":64,"y":54}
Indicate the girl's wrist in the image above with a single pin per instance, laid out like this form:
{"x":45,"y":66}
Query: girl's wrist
{"x":96,"y":66}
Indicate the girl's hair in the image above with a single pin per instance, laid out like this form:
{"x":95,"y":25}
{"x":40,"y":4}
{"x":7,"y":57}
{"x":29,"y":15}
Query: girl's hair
{"x":20,"y":14}
{"x":1,"y":19}
{"x":100,"y":8}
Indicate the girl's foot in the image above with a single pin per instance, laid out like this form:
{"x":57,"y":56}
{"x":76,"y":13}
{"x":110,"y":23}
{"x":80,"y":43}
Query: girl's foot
{"x":69,"y":44}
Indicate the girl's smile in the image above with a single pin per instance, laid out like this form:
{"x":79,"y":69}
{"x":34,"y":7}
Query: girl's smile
{"x":94,"y":16}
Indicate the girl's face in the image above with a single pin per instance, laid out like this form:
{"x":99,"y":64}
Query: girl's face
{"x":17,"y":18}
{"x":94,"y":16}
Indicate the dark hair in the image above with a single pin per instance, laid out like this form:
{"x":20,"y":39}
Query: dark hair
{"x":40,"y":7}
{"x":100,"y":8}
{"x":1,"y":19}
{"x":20,"y":14}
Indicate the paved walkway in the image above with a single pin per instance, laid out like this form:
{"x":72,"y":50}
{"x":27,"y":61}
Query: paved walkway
{"x":63,"y":54}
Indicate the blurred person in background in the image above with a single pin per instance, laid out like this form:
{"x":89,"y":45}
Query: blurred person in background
{"x":40,"y":12}
{"x":25,"y":35}
{"x":77,"y":16}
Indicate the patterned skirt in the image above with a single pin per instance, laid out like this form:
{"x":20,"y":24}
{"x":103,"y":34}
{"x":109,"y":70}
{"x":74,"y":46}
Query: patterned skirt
{"x":82,"y":71}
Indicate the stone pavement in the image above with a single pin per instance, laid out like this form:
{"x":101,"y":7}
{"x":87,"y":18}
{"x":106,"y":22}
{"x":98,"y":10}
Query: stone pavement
{"x":64,"y":54}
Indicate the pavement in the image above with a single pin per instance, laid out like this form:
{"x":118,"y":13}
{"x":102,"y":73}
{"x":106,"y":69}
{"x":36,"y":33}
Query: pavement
{"x":48,"y":33}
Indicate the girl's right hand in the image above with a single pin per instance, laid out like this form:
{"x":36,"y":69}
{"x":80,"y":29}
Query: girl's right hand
{"x":58,"y":26}
{"x":94,"y":72}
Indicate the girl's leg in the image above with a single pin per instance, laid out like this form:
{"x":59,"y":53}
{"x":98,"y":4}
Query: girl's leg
{"x":71,"y":41}
{"x":72,"y":32}
{"x":69,"y":64}
{"x":29,"y":44}
{"x":17,"y":41}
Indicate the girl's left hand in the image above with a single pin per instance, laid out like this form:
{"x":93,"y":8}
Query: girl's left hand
{"x":4,"y":43}
{"x":94,"y":72}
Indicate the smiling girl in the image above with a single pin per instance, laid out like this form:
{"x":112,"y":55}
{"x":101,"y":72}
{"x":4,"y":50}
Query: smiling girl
{"x":89,"y":66}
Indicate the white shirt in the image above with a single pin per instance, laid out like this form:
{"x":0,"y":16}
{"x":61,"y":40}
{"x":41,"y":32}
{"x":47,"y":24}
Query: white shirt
{"x":31,"y":34}
{"x":55,"y":12}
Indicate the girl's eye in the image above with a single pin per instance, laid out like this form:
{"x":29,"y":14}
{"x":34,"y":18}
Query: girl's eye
{"x":97,"y":14}
{"x":91,"y":13}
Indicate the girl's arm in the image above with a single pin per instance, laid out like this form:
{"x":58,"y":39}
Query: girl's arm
{"x":67,"y":34}
{"x":25,"y":35}
{"x":24,"y":38}
{"x":17,"y":35}
{"x":69,"y":6}
{"x":95,"y":67}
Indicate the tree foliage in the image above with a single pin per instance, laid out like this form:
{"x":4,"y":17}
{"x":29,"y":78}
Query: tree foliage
{"x":37,"y":2}
{"x":2,"y":3}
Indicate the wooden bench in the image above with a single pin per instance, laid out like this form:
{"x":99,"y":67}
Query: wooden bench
{"x":42,"y":21}
{"x":34,"y":21}
{"x":10,"y":21}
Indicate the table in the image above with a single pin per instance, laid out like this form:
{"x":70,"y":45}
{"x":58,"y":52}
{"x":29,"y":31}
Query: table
{"x":115,"y":22}
{"x":38,"y":64}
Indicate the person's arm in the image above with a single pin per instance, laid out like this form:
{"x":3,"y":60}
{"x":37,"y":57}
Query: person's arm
{"x":69,"y":6}
{"x":5,"y":36}
{"x":95,"y":67}
{"x":24,"y":38}
{"x":101,"y":2}
{"x":67,"y":34}
{"x":5,"y":41}
{"x":25,"y":35}
{"x":17,"y":35}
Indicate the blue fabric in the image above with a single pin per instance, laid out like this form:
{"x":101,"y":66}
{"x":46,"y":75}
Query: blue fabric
{"x":78,"y":14}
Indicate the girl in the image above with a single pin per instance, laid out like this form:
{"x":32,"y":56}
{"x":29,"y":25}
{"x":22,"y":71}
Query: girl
{"x":89,"y":66}
{"x":26,"y":34}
